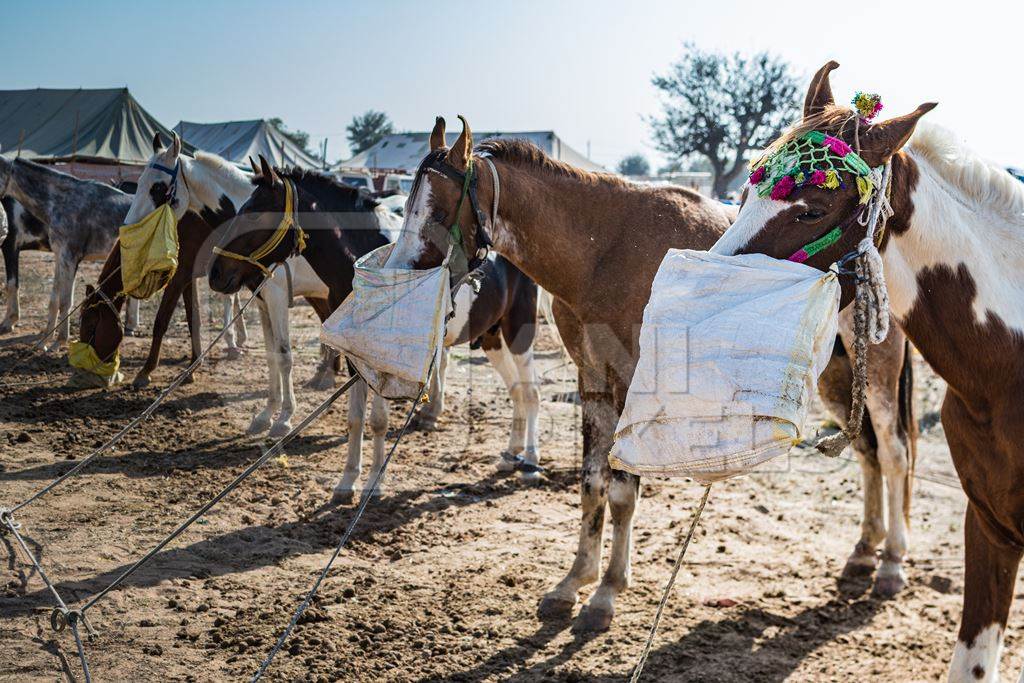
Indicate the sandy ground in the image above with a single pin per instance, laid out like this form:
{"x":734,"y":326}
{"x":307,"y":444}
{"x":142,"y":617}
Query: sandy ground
{"x":443,"y":575}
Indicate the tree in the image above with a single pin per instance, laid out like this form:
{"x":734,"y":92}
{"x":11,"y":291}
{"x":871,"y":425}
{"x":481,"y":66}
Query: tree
{"x":722,"y":107}
{"x":634,"y":164}
{"x":367,"y":130}
{"x":299,"y":137}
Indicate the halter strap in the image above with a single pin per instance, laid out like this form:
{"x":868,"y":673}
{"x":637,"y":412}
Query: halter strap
{"x":105,"y":299}
{"x":288,"y":222}
{"x":173,"y":172}
{"x":469,"y":190}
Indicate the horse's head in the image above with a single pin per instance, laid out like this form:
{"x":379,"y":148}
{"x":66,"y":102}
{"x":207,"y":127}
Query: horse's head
{"x":811,"y":187}
{"x":264,"y":232}
{"x":100,"y":324}
{"x":161,"y":183}
{"x":442,"y":210}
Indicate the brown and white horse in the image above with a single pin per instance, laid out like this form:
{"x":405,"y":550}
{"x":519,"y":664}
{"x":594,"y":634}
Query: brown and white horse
{"x":952,"y":254}
{"x":594,"y":242}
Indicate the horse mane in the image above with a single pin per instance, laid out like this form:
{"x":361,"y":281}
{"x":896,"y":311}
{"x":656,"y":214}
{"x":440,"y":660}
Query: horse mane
{"x":832,"y":117}
{"x":346,"y":195}
{"x":982,"y":182}
{"x":216,"y":162}
{"x":525,"y":153}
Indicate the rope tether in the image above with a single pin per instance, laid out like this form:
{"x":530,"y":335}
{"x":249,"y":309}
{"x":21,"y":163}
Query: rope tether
{"x":638,"y":669}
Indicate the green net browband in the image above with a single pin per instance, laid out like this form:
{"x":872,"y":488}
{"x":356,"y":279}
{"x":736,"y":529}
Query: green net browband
{"x":814,"y":159}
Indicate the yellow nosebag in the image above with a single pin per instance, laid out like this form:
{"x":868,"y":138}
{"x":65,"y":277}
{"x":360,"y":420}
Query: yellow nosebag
{"x":95,"y":372}
{"x":149,"y":253}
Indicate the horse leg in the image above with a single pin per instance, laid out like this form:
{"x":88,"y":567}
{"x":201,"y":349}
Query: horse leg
{"x":883,"y":402}
{"x":261,"y":421}
{"x":168,"y":302}
{"x":599,"y":418}
{"x":379,"y":432}
{"x":989,"y":576}
{"x":11,"y":267}
{"x":241,"y":331}
{"x":356,"y":416}
{"x":426,"y":418}
{"x":835,"y":387}
{"x":190,"y":297}
{"x":500,"y":358}
{"x":60,"y":300}
{"x":281,"y":347}
{"x":529,"y":396}
{"x":330,"y":360}
{"x":132,"y":324}
{"x":229,"y":330}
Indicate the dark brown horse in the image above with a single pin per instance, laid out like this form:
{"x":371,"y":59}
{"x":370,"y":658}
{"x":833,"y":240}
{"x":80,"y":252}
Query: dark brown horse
{"x":952,"y":254}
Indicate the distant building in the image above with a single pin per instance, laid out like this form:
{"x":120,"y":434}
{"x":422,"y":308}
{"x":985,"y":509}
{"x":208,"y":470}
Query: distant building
{"x":103,"y":134}
{"x":402,"y":152}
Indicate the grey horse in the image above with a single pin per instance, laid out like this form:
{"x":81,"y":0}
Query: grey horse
{"x":75,"y":219}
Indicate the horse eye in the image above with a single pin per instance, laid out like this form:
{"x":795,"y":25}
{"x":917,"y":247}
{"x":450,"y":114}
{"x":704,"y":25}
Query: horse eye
{"x":810,"y":216}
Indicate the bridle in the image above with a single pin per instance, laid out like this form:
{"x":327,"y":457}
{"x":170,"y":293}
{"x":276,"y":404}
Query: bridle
{"x":437,"y":161}
{"x":172,"y":187}
{"x":289,"y":223}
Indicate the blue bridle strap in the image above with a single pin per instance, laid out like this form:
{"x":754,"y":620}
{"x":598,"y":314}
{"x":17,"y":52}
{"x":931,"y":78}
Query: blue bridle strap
{"x":173,"y":172}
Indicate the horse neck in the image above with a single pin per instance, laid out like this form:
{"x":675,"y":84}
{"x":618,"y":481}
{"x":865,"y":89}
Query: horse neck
{"x":950,"y":267}
{"x":34,"y":188}
{"x":549,"y":225}
{"x":208,"y":182}
{"x":110,"y":281}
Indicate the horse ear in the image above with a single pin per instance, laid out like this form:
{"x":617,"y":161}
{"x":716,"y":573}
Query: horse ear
{"x":884,"y":139}
{"x":819,"y":94}
{"x":255,"y":167}
{"x":175,"y":146}
{"x":458,"y":155}
{"x":267,"y":171}
{"x":158,"y":143}
{"x":437,"y":140}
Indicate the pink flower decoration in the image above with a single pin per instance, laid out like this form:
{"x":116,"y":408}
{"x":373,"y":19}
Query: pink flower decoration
{"x":783,"y":187}
{"x":817,"y":178}
{"x":837,"y":146}
{"x":757,"y":176}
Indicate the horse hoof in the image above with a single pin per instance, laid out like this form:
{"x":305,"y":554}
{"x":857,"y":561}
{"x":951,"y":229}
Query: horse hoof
{"x":423,"y":424}
{"x":234,"y":353}
{"x":342,"y":497}
{"x":592,"y":620}
{"x":257,"y":426}
{"x":507,"y":462}
{"x":280,"y":429}
{"x":6,"y":327}
{"x":888,"y":586}
{"x":531,"y":477}
{"x":859,"y":566}
{"x":190,"y":378}
{"x":141,"y":382}
{"x":555,"y":608}
{"x":320,"y":383}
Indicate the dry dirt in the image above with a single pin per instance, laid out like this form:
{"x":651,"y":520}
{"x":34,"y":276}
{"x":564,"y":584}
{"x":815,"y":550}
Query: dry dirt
{"x":442,"y":577}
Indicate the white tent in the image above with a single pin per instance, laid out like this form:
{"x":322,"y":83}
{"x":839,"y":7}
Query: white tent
{"x":404,"y":151}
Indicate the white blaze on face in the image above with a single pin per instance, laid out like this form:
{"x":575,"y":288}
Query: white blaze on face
{"x":980,"y":661}
{"x":409,"y":245}
{"x":142,"y":202}
{"x":753,"y":216}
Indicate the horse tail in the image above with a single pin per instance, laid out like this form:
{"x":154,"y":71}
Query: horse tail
{"x":908,"y":424}
{"x":545,"y":300}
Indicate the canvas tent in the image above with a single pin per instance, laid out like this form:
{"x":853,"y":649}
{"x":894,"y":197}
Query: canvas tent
{"x":404,"y":151}
{"x":238,"y":140}
{"x":106,"y":126}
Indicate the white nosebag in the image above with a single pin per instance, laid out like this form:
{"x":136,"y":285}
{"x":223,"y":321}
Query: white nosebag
{"x":391,"y":327}
{"x":730,"y":350}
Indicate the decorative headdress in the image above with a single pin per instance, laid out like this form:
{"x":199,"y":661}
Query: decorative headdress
{"x":867,"y":104}
{"x":814,"y":159}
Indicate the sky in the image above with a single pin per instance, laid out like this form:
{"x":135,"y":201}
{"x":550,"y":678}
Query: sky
{"x":580,"y":68}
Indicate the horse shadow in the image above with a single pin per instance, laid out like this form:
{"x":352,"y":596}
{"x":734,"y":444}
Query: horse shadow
{"x":258,"y":545}
{"x":749,"y":643}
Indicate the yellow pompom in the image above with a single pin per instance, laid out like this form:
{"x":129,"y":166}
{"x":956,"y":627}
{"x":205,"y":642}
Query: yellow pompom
{"x":865,"y":188}
{"x":831,"y":180}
